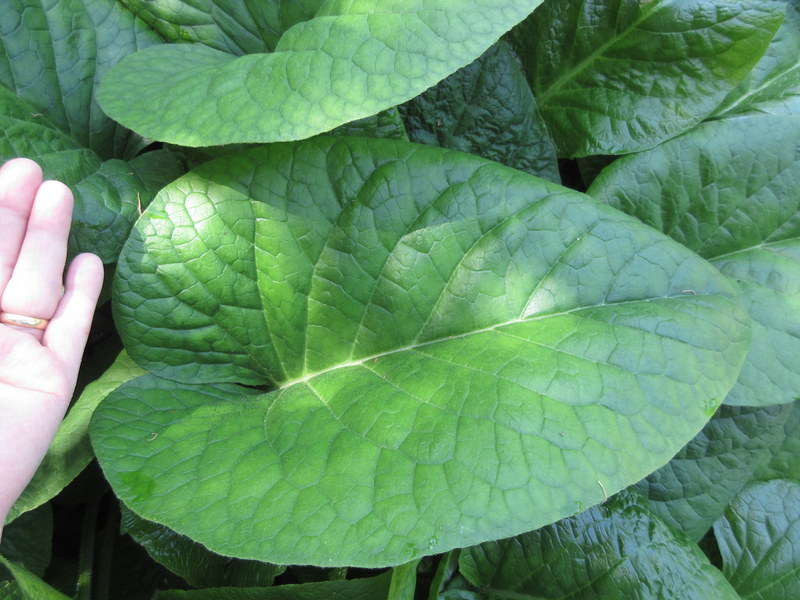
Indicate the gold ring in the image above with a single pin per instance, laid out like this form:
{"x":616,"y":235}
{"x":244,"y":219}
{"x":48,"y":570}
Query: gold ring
{"x":23,"y":321}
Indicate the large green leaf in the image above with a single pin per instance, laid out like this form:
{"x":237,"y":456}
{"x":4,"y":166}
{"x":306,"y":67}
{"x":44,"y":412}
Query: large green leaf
{"x":487,"y":108}
{"x":693,"y":489}
{"x":615,"y":551}
{"x":774,"y":85}
{"x":352,"y":60}
{"x":728,"y":190}
{"x":759,"y":540}
{"x":463,"y":352}
{"x":229,"y":25}
{"x":620,"y":76}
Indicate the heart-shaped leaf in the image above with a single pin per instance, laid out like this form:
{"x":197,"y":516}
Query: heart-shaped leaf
{"x":620,"y":76}
{"x":728,"y":191}
{"x":462,"y":352}
{"x":350,"y":61}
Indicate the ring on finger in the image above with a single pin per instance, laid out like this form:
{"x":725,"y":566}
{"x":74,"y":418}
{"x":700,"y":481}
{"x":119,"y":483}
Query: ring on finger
{"x":7,"y":318}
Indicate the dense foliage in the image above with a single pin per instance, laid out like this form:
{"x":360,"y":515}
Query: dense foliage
{"x":437,"y":299}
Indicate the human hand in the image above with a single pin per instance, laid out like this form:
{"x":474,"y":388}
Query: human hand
{"x":38,"y":366}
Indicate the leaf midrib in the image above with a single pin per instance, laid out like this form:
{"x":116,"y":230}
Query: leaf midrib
{"x":570,"y":74}
{"x":305,"y":378}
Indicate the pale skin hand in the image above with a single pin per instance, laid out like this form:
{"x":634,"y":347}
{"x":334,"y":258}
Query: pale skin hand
{"x":38,"y":369}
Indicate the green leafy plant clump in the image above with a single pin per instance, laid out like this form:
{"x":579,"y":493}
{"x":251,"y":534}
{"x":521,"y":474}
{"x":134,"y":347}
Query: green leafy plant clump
{"x":422,"y":299}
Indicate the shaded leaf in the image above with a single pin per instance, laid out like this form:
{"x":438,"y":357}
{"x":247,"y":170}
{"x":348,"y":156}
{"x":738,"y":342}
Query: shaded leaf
{"x":369,"y":588}
{"x":784,"y":462}
{"x":728,"y":191}
{"x":350,"y":61}
{"x":617,"y":550}
{"x":53,"y":54}
{"x":28,"y":540}
{"x":759,"y":539}
{"x":404,"y":581}
{"x":462,"y":351}
{"x":30,"y":585}
{"x":486,"y":108}
{"x":620,"y":76}
{"x":774,"y":84}
{"x":385,"y":124}
{"x":692,"y":490}
{"x":194,"y":563}
{"x":228,"y":25}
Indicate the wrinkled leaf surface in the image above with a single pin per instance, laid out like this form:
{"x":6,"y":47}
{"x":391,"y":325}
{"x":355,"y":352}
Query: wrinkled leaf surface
{"x":352,"y":60}
{"x":461,"y":352}
{"x":620,"y":76}
{"x":728,"y":191}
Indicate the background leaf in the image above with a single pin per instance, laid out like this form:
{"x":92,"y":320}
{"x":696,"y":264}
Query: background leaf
{"x":727,"y":190}
{"x":759,"y":539}
{"x":28,"y":540}
{"x":693,"y":489}
{"x":228,"y":25}
{"x":774,"y":84}
{"x":368,"y":588}
{"x":545,"y":343}
{"x":486,"y":108}
{"x":348,"y":62}
{"x":785,"y":456}
{"x":620,"y":76}
{"x":194,"y":563}
{"x":51,"y":56}
{"x":617,"y":550}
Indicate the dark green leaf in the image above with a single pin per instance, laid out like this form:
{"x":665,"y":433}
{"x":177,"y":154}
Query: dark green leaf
{"x":30,"y":585}
{"x":53,"y":54}
{"x":385,"y":124}
{"x":759,"y":539}
{"x":692,"y":490}
{"x":28,"y":540}
{"x":230,"y":25}
{"x":197,"y":565}
{"x":462,"y":352}
{"x":370,"y":588}
{"x":487,"y":109}
{"x":728,"y":191}
{"x":617,"y":550}
{"x":106,"y":193}
{"x":785,"y":455}
{"x":774,"y":85}
{"x":350,"y":61}
{"x":620,"y":76}
{"x":404,"y":581}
